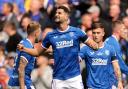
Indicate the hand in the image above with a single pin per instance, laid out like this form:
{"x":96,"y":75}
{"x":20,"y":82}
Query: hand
{"x":120,"y":85}
{"x":20,"y":47}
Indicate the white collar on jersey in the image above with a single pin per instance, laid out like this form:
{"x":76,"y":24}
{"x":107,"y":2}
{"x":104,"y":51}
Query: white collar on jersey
{"x":29,"y":42}
{"x":115,"y":37}
{"x":101,"y":46}
{"x":64,"y":30}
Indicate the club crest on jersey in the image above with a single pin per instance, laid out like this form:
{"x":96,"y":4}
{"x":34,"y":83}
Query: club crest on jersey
{"x":107,"y":52}
{"x":55,"y":37}
{"x":91,"y":53}
{"x":63,"y":44}
{"x":71,"y":34}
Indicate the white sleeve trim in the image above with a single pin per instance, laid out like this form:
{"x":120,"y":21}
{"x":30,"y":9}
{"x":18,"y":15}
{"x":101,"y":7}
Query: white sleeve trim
{"x":115,"y":61}
{"x":43,"y":46}
{"x":80,"y":59}
{"x":86,"y":40}
{"x":24,"y":58}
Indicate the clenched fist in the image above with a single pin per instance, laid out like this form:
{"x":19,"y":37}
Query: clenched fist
{"x":20,"y":47}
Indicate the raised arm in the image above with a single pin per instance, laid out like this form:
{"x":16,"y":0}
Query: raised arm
{"x":32,"y":51}
{"x":21,"y":71}
{"x":118,"y":73}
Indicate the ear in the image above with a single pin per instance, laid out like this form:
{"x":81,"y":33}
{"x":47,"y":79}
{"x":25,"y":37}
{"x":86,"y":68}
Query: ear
{"x":103,"y":32}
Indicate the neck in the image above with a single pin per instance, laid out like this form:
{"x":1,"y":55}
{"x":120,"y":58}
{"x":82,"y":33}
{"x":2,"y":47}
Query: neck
{"x":43,"y":65}
{"x":117,"y":36}
{"x":63,"y":26}
{"x":32,"y":39}
{"x":100,"y":44}
{"x":115,"y":18}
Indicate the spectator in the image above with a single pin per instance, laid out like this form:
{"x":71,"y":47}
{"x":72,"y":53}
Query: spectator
{"x":17,"y":12}
{"x":7,"y":11}
{"x":14,"y":37}
{"x":86,"y":22}
{"x":125,"y":21}
{"x":114,"y":12}
{"x":48,"y":5}
{"x":3,"y":78}
{"x":10,"y":62}
{"x":3,"y":38}
{"x":2,"y":56}
{"x":20,"y":4}
{"x":37,"y":15}
{"x":95,"y":13}
{"x":42,"y":76}
{"x":25,"y":20}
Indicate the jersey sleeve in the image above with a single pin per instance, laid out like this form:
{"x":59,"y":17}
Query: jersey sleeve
{"x":82,"y":53}
{"x":82,"y":35}
{"x":113,"y":54}
{"x":46,"y":42}
{"x":25,"y":56}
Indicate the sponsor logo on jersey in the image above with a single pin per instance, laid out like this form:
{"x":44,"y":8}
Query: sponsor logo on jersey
{"x":99,"y":61}
{"x":63,"y":44}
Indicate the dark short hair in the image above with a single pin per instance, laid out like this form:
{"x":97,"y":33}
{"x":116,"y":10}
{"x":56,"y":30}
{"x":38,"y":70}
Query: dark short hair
{"x":115,"y":23}
{"x":10,"y":5}
{"x":33,"y":26}
{"x":97,"y":25}
{"x":64,"y":8}
{"x":10,"y":24}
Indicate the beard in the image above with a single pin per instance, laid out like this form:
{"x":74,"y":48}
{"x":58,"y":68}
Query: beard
{"x":36,"y":40}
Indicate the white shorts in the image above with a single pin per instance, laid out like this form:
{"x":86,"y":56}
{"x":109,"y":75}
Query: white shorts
{"x":72,"y":83}
{"x":17,"y":87}
{"x":114,"y":87}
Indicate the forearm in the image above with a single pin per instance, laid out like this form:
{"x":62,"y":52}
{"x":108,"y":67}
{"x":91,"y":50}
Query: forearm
{"x":21,"y":79}
{"x":91,"y":43}
{"x":33,"y":52}
{"x":21,"y":70}
{"x":117,"y":72}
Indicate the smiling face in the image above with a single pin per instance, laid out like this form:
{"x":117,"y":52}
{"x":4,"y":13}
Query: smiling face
{"x":98,"y":34}
{"x":61,"y":16}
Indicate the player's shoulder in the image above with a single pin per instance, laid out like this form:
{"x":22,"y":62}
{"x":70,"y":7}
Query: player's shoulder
{"x":26,"y":43}
{"x":52,"y":33}
{"x":107,"y":45}
{"x":76,"y":29}
{"x":108,"y":39}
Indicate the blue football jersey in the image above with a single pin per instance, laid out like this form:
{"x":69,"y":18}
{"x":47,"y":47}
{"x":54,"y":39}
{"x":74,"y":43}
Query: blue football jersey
{"x":66,"y":45}
{"x":14,"y":80}
{"x":97,"y":65}
{"x":124,"y":68}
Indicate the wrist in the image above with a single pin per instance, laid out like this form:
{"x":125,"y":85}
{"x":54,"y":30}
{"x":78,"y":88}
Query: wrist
{"x":119,"y":80}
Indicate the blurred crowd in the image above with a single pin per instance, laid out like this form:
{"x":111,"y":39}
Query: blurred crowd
{"x":15,"y":15}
